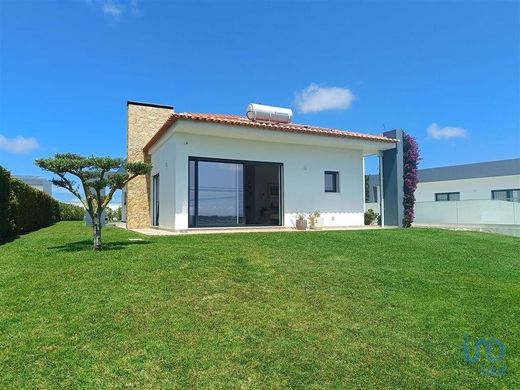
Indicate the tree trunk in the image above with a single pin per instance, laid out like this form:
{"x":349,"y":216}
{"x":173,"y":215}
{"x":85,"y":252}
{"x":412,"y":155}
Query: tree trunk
{"x":96,"y":226}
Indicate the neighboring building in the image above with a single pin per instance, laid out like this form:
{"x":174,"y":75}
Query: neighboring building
{"x":36,"y":182}
{"x":479,"y":193}
{"x":215,"y":170}
{"x":498,"y":180}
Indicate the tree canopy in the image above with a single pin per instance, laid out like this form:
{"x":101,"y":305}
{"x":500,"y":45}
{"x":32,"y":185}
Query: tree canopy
{"x":87,"y":178}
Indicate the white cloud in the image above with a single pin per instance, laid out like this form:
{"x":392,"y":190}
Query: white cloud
{"x":19,"y":144}
{"x":447,"y":132}
{"x":117,"y":9}
{"x":316,"y":99}
{"x":134,"y":8}
{"x":113,"y":9}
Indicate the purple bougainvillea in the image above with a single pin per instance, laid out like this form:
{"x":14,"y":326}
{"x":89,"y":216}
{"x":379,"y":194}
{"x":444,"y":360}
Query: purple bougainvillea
{"x":411,"y":159}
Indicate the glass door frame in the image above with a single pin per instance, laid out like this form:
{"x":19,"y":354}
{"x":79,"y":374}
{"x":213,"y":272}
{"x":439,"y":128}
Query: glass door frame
{"x":195,"y":160}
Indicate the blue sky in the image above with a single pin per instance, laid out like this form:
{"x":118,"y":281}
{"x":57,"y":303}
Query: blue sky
{"x":447,"y":72}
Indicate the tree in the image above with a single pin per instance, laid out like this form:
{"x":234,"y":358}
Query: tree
{"x":118,"y":214}
{"x":93,"y":175}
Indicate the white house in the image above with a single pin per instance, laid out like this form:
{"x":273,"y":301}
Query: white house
{"x":470,"y":194}
{"x":497,"y":180}
{"x":216,"y":170}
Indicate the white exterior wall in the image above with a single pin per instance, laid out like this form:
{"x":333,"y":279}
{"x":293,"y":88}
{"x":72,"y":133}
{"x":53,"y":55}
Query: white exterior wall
{"x":303,"y":175}
{"x":475,"y":207}
{"x":468,"y":212}
{"x":476,"y":188}
{"x":163,"y":163}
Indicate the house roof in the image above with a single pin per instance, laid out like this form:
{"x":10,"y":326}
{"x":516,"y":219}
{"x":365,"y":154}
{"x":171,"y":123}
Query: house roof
{"x":237,"y":120}
{"x":465,"y":171}
{"x":471,"y":171}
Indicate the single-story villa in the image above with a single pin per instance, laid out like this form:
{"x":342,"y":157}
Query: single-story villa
{"x":218,"y":170}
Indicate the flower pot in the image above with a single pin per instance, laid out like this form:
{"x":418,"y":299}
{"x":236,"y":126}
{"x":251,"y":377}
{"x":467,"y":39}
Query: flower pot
{"x":301,"y":224}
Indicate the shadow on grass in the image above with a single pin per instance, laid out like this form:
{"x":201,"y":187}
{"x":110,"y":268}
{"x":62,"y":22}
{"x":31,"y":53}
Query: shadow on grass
{"x":6,"y":240}
{"x":86,"y":245}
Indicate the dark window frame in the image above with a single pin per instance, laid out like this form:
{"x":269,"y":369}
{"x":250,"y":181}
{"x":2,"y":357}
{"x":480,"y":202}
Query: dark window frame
{"x":336,"y":181}
{"x":155,"y":199}
{"x":437,"y":194}
{"x":196,"y":160}
{"x":508,"y":198}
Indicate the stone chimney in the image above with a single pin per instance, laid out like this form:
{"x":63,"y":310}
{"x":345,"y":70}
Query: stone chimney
{"x":144,"y":120}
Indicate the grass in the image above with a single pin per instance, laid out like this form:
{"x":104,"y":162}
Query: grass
{"x":348,"y":309}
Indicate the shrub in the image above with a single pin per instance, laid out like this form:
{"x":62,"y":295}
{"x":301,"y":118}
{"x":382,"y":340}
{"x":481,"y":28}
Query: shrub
{"x":5,"y":190}
{"x":30,"y":209}
{"x":371,"y":216}
{"x":71,"y":212}
{"x":314,"y":219}
{"x":411,"y":159}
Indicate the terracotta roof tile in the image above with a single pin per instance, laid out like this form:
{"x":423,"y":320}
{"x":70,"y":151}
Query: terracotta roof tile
{"x":237,"y":120}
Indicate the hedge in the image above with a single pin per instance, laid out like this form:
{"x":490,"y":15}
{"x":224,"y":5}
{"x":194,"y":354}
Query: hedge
{"x":24,"y":208}
{"x":30,"y":209}
{"x":70,"y":212}
{"x":5,"y":190}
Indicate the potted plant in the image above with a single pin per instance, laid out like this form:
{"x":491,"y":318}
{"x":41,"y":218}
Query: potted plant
{"x":315,"y":220}
{"x":371,"y":217}
{"x":301,"y":222}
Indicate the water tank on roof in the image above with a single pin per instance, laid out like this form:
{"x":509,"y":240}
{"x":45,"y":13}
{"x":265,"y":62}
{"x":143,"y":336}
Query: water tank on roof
{"x":259,"y":112}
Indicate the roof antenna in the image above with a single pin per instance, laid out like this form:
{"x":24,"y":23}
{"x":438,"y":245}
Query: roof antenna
{"x":384,"y":127}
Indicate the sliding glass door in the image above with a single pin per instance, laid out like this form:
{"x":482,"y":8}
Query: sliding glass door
{"x":219,"y":194}
{"x":233,"y":193}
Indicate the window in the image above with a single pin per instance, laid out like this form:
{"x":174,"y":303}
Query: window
{"x":331,"y":181}
{"x":155,"y":200}
{"x":234,"y":193}
{"x":507,"y":195}
{"x":447,"y":196}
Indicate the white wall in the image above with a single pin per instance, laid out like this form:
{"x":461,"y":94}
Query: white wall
{"x":303,"y":175}
{"x":470,"y":189}
{"x":163,"y":163}
{"x":477,"y":188}
{"x":468,"y":212}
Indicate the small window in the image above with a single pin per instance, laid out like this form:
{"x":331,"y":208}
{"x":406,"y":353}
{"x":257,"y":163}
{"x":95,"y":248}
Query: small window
{"x":447,"y":196}
{"x":331,"y":181}
{"x":507,"y":195}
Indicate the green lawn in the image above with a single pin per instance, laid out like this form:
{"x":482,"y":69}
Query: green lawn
{"x":347,"y":309}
